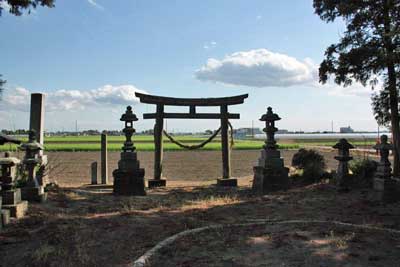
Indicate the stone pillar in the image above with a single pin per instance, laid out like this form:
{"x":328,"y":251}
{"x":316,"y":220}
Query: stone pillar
{"x":387,"y":188}
{"x":104,"y":159}
{"x":37,"y":116}
{"x":10,"y":195}
{"x":129,"y":177}
{"x":93,"y":168}
{"x":270,"y":174}
{"x":36,"y":123}
{"x":342,"y":176}
{"x":226,"y":156}
{"x":158,"y":180}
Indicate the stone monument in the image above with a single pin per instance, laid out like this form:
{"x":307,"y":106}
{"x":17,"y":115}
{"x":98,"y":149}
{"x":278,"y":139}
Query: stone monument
{"x":342,"y":175}
{"x":104,"y":159}
{"x":129,"y":177}
{"x":11,"y":196}
{"x":270,"y":174}
{"x":386,"y":187}
{"x":36,"y":123}
{"x":32,"y":191}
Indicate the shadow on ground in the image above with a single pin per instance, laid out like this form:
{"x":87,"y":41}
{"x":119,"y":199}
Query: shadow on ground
{"x":91,"y":227}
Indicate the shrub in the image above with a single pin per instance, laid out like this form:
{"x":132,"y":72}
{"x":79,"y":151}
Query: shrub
{"x":311,"y":163}
{"x":363,"y":171}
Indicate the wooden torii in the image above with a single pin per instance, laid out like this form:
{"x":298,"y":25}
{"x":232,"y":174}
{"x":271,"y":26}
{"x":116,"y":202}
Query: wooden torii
{"x":160,"y":115}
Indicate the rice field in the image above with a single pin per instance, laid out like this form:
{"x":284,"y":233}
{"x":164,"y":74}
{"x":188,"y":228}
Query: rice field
{"x":145,"y":143}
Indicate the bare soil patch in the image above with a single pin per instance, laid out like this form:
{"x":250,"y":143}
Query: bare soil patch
{"x":88,"y":226}
{"x":300,"y":244}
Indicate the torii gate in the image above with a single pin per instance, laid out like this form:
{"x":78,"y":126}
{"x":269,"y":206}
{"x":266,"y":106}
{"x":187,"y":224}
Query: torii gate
{"x":160,"y":115}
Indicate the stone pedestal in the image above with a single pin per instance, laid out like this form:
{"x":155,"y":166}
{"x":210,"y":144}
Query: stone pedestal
{"x":11,"y":201}
{"x":129,"y":177}
{"x":270,"y":174}
{"x":9,"y":195}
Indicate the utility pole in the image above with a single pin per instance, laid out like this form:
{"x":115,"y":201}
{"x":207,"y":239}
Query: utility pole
{"x":332,"y":126}
{"x":76,"y":127}
{"x":252,"y":129}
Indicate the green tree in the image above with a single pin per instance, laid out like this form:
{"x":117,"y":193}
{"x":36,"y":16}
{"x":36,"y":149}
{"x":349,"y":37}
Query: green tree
{"x":18,"y":6}
{"x":368,"y":49}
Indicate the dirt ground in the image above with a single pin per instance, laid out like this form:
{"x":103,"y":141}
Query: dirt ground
{"x":73,"y":168}
{"x":280,"y":244}
{"x":89,"y":226}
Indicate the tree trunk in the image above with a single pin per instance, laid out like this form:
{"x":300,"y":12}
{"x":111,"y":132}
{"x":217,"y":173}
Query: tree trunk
{"x":393,"y":95}
{"x":394,"y":111}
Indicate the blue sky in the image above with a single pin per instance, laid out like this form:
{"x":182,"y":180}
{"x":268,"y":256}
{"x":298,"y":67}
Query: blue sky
{"x":90,"y":56}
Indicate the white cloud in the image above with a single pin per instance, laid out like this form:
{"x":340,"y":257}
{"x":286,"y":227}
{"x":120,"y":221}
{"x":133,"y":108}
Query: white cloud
{"x":263,"y":68}
{"x":106,"y":96}
{"x":259,"y":17}
{"x":210,"y":45}
{"x":95,"y":4}
{"x":258,"y":68}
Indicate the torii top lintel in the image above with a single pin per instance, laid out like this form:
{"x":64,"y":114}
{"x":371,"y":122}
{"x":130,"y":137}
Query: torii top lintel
{"x":162,"y":101}
{"x":174,"y":101}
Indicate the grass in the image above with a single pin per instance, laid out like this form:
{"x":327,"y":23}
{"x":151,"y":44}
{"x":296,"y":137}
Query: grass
{"x":145,"y":143}
{"x":144,"y":146}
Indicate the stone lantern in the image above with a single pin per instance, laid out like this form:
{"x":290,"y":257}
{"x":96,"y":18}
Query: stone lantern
{"x":342,"y":175}
{"x":270,"y":174}
{"x":129,"y":177}
{"x":386,"y":186}
{"x":33,"y":191}
{"x":10,"y":195}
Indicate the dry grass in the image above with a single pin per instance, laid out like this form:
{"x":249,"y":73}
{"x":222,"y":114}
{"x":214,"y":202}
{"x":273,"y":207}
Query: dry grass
{"x":89,"y":226}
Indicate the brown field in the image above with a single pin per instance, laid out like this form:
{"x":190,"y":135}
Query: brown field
{"x":73,"y":168}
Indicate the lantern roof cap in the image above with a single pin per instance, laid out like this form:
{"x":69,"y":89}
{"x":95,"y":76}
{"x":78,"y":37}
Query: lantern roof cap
{"x":270,"y":116}
{"x":31,"y":146}
{"x":11,"y":161}
{"x":128,"y":115}
{"x":343,"y":144}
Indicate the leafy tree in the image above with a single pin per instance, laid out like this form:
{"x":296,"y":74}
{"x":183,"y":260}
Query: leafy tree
{"x":18,"y":6}
{"x":369,"y":48}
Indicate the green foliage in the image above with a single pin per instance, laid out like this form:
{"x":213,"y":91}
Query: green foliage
{"x":361,"y":53}
{"x":368,"y":50}
{"x":363,"y":171}
{"x":18,"y":6}
{"x":311,"y":163}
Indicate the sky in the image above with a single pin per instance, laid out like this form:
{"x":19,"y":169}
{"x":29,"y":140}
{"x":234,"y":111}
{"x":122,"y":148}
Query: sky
{"x":90,"y":56}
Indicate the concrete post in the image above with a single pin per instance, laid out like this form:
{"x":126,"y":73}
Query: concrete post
{"x":104,"y":159}
{"x":93,"y":168}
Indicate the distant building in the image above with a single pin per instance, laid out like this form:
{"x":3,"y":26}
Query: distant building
{"x":282,"y":131}
{"x":243,"y":132}
{"x":346,"y":130}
